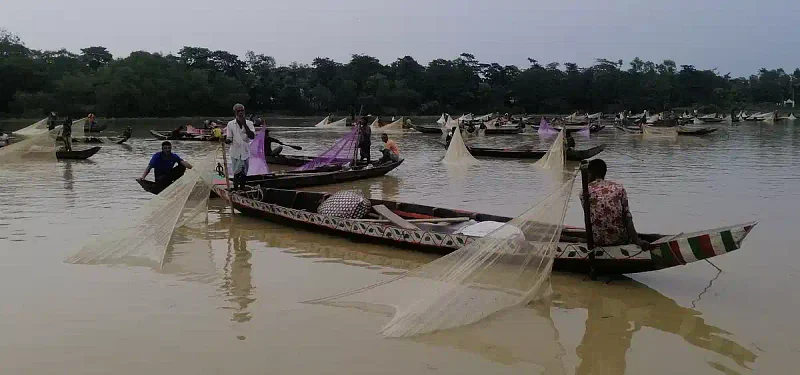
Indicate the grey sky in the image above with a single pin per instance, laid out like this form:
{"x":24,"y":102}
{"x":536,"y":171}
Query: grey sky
{"x":738,"y":36}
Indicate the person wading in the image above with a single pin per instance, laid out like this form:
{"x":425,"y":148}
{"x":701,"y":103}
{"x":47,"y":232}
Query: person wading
{"x":167,"y":165}
{"x":239,"y":133}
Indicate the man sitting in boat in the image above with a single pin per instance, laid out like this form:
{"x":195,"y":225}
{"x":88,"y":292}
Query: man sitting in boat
{"x":612,"y":222}
{"x":3,"y":139}
{"x":164,"y":164}
{"x":390,"y":151}
{"x":177,"y":134}
{"x":268,"y":150}
{"x":216,"y":132}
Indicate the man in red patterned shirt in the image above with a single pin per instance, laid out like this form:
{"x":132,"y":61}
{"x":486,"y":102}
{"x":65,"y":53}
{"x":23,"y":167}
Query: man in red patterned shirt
{"x":612,"y":222}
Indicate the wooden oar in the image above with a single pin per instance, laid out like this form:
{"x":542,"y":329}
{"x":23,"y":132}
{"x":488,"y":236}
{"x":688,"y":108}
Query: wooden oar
{"x":294,"y":147}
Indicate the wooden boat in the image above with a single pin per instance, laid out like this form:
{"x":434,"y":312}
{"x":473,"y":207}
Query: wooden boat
{"x":298,"y":209}
{"x":99,"y":140}
{"x":428,"y":129}
{"x":573,"y":155}
{"x":682,"y":130}
{"x":503,"y":130}
{"x":148,"y":186}
{"x":77,"y":155}
{"x":167,"y":135}
{"x":96,"y":129}
{"x":299,"y":179}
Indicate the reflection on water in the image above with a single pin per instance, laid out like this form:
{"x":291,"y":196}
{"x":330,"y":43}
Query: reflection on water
{"x":672,"y":321}
{"x":615,"y":313}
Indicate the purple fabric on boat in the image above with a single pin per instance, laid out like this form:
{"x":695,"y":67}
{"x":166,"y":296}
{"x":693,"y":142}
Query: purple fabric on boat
{"x":584,"y":132}
{"x":545,"y":129}
{"x":342,"y":152}
{"x":258,"y":162}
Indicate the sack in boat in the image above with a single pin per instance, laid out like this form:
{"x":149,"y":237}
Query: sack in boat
{"x":346,"y":204}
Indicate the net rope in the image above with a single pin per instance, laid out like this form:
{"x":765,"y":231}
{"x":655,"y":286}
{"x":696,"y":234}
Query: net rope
{"x":144,"y":238}
{"x":508,"y":267}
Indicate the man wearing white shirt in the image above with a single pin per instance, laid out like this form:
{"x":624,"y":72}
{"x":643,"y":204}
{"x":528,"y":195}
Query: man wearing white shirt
{"x":238,"y":134}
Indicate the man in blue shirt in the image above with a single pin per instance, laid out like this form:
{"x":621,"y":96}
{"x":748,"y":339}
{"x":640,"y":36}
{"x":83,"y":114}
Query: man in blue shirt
{"x":164,"y":164}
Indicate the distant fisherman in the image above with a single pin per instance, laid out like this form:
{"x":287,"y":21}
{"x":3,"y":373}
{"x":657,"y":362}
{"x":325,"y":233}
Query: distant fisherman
{"x":239,"y":133}
{"x":390,"y":151}
{"x":364,"y":140}
{"x":164,"y":164}
{"x":268,"y":150}
{"x":66,"y":133}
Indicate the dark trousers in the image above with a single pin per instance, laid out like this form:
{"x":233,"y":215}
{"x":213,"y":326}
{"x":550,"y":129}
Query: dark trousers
{"x":163,"y":181}
{"x":364,"y":151}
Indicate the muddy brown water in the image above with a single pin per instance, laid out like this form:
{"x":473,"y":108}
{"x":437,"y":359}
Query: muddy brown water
{"x":227,"y":298}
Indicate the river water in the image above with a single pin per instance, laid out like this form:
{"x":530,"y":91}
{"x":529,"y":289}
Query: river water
{"x":227,"y":298}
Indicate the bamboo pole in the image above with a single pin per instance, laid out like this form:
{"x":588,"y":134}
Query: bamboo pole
{"x":587,"y":218}
{"x":227,"y":174}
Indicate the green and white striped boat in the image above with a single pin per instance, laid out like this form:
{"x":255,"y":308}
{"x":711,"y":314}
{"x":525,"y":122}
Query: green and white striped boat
{"x":298,"y":209}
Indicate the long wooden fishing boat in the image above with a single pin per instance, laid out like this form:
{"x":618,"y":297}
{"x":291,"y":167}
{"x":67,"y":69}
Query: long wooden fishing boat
{"x":572,"y":155}
{"x":299,"y":209}
{"x":95,"y":129}
{"x":503,"y":130}
{"x":293,"y":180}
{"x":695,"y":130}
{"x":167,"y":135}
{"x":77,"y":155}
{"x":428,"y":129}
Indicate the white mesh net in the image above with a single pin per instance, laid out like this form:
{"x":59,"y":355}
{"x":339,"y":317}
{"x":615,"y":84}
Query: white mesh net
{"x":508,"y":267}
{"x":457,"y":152}
{"x":324,"y":122}
{"x":36,"y":146}
{"x":31,"y":130}
{"x":143,"y":240}
{"x":77,"y":129}
{"x":660,"y":131}
{"x":394,"y":127}
{"x":556,"y":156}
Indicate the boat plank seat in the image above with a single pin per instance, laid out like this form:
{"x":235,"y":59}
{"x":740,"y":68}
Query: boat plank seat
{"x":391,"y":216}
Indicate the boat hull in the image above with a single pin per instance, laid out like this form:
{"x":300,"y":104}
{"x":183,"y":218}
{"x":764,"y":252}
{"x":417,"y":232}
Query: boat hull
{"x":311,"y":178}
{"x":77,"y":155}
{"x":574,"y":155}
{"x":572,"y":254}
{"x":428,"y":129}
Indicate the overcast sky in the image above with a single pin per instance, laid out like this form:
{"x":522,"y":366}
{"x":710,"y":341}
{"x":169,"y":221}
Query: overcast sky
{"x":737,"y":36}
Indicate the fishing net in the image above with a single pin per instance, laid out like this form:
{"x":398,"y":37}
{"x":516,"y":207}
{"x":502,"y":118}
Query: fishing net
{"x":143,"y":239}
{"x":35,"y":147}
{"x":77,"y":129}
{"x":659,"y":131}
{"x":394,"y":127}
{"x":556,"y":156}
{"x":508,"y":267}
{"x":257,"y":164}
{"x":342,"y":152}
{"x":324,"y":122}
{"x":457,"y":152}
{"x":31,"y":130}
{"x":442,"y":120}
{"x":545,"y":129}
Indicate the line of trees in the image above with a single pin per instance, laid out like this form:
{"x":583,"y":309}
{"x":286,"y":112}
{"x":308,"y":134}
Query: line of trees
{"x":199,"y":81}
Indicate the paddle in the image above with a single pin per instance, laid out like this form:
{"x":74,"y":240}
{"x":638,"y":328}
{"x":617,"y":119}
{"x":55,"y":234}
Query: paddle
{"x":294,"y":147}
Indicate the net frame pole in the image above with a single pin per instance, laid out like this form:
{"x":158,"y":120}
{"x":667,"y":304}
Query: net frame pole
{"x":227,"y":178}
{"x":587,"y":218}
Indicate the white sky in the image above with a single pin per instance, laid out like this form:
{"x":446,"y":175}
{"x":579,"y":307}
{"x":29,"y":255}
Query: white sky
{"x":737,"y":36}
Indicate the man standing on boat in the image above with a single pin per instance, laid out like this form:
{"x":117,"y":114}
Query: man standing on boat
{"x":66,"y":133}
{"x":239,"y":133}
{"x":612,"y":222}
{"x":164,"y":164}
{"x":364,"y":140}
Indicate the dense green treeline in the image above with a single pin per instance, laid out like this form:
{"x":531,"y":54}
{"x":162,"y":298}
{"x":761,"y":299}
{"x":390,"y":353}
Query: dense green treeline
{"x":198,"y":81}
